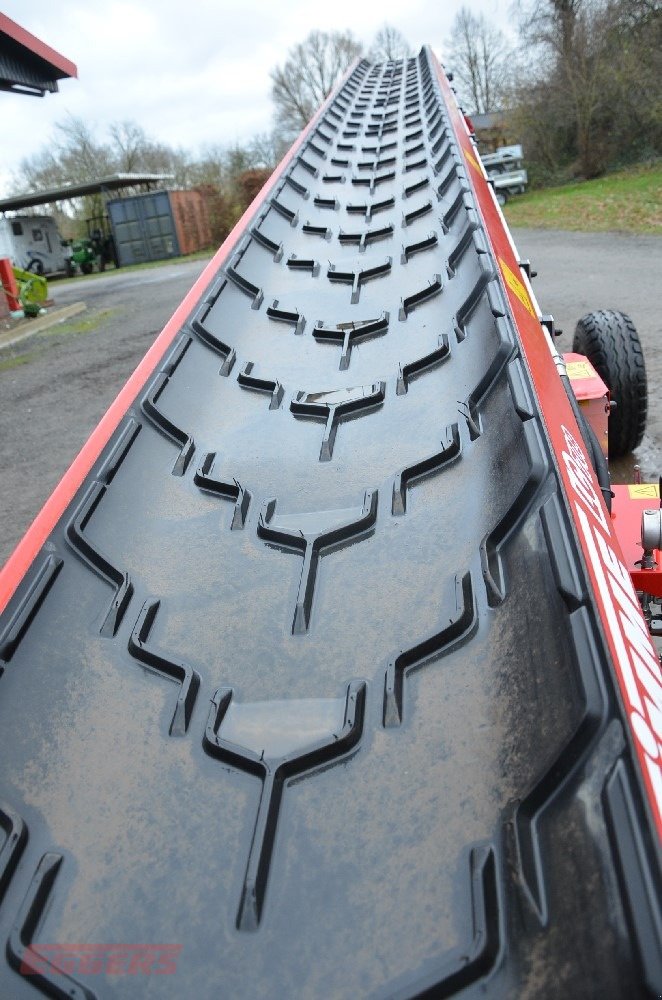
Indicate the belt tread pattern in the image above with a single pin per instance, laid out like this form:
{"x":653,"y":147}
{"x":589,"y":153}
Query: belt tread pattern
{"x":397,"y":766}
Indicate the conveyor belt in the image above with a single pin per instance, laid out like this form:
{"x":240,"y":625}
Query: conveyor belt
{"x":308,"y":681}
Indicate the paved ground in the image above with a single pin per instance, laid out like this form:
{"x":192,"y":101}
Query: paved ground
{"x":55,"y":386}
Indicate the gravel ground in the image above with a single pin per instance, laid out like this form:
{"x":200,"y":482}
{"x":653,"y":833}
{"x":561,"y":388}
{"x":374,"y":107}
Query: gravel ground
{"x":55,"y":386}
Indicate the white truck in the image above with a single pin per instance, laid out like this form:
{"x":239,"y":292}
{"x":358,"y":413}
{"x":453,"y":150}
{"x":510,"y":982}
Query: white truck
{"x":33,"y":243}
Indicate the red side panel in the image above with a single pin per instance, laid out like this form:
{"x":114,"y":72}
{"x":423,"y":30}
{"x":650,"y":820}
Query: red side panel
{"x":627,"y":507}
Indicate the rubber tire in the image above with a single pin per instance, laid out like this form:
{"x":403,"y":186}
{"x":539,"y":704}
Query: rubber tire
{"x":610,"y":342}
{"x":502,"y":197}
{"x":87,"y":268}
{"x":36,"y":267}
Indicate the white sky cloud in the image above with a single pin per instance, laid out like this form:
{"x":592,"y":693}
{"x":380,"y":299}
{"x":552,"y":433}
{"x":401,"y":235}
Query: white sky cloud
{"x":191,"y":75}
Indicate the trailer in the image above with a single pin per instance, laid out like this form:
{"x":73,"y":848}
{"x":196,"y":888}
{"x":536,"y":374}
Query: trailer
{"x":325,"y":672}
{"x":33,"y":243}
{"x":506,"y":171}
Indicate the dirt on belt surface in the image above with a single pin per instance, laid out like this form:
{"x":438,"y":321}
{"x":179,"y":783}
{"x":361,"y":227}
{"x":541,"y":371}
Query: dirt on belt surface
{"x":55,"y":387}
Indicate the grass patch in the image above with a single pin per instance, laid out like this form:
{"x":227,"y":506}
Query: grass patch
{"x":20,"y":359}
{"x":628,"y":201}
{"x":86,"y":324}
{"x":38,"y":339}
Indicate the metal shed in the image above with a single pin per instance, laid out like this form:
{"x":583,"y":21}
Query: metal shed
{"x":159,"y":224}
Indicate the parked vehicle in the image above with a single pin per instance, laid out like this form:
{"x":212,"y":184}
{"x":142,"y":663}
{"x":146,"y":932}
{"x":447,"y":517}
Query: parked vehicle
{"x":97,"y":249}
{"x":505,"y":170}
{"x":33,"y":243}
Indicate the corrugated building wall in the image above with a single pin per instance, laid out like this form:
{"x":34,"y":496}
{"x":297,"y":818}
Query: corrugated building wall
{"x":158,"y":225}
{"x":191,"y":216}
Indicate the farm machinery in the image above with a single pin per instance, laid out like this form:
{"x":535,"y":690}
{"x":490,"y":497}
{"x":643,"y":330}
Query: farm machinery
{"x":97,"y":249}
{"x":32,"y":290}
{"x":327,"y":668}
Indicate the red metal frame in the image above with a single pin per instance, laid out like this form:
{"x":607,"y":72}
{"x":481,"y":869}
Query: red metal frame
{"x":633,"y":655}
{"x":592,"y":395}
{"x":8,"y":286}
{"x":627,"y":507}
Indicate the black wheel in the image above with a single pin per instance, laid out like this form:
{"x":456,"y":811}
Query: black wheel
{"x":611,"y":343}
{"x":35,"y":267}
{"x":87,"y":268}
{"x":502,"y":197}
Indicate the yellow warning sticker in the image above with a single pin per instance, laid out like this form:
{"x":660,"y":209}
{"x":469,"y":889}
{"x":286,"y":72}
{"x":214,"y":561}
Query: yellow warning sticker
{"x":580,"y":369}
{"x":644,"y":491}
{"x":516,"y":286}
{"x":473,"y":161}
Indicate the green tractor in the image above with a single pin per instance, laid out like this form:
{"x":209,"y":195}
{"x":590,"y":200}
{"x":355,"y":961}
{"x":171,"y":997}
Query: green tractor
{"x":83,"y":257}
{"x":97,"y":248}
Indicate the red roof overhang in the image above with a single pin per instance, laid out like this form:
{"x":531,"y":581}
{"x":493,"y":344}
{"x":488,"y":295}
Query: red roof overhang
{"x":57,"y":66}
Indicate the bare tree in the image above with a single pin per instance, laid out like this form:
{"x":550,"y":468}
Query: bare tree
{"x":76,"y":154}
{"x":134,"y":151}
{"x":73,"y":154}
{"x":312,"y":68}
{"x":267,"y":149}
{"x":634,"y":41}
{"x":129,"y":140}
{"x":389,"y":44}
{"x":477,"y":54}
{"x":598,"y":66}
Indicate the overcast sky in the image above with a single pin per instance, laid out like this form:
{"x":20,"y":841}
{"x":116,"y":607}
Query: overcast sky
{"x":190,"y":74}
